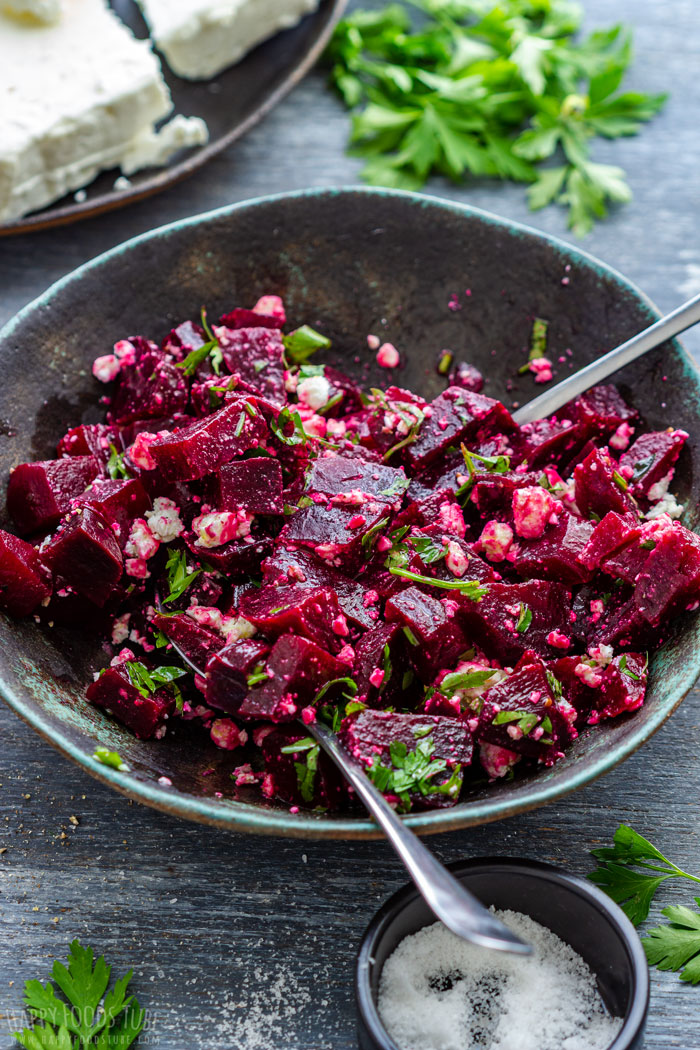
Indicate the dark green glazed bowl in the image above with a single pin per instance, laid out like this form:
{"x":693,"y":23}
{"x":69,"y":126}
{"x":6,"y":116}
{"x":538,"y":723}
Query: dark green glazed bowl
{"x":350,"y":262}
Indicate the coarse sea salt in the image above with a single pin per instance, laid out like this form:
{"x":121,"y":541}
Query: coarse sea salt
{"x":438,"y":992}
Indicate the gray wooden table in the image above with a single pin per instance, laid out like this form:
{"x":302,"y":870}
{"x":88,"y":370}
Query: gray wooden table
{"x":248,"y":944}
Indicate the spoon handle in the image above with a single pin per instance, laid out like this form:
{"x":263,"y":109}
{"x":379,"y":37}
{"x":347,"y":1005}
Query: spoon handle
{"x":666,"y":328}
{"x":446,"y":897}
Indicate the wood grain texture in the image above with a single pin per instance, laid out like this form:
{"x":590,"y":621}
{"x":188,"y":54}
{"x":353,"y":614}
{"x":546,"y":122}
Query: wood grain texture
{"x":213,"y":923}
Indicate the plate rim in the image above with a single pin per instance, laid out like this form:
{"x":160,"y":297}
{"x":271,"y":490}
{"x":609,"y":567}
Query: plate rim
{"x":163,"y":178}
{"x":238,"y":816}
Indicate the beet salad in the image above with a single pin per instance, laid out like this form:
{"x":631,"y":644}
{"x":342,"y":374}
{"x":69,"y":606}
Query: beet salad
{"x":455,"y":595}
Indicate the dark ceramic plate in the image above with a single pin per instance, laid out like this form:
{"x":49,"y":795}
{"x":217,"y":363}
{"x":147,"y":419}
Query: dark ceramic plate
{"x":231,"y":103}
{"x":348,"y":262}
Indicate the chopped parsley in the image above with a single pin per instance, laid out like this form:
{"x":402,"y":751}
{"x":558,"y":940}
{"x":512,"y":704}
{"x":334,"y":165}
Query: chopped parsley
{"x":524,"y":619}
{"x":110,"y":758}
{"x":456,"y":681}
{"x":429,"y":549}
{"x":149,"y":682}
{"x":469,"y":588}
{"x":116,"y":468}
{"x":302,"y":343}
{"x":281,"y":427}
{"x":413,"y":772}
{"x":179,"y":576}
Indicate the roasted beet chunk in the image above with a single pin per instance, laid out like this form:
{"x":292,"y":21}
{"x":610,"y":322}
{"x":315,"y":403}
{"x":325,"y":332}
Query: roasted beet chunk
{"x":343,"y":538}
{"x":296,"y":669}
{"x":353,"y":482}
{"x":523,"y":715}
{"x":206,"y":445}
{"x":380,"y":668}
{"x":118,"y":501}
{"x":444,"y":557}
{"x":228,"y":672}
{"x":512,"y":618}
{"x":622,"y":687}
{"x":253,"y":484}
{"x":612,"y":533}
{"x":601,"y":488}
{"x":309,"y":611}
{"x":416,"y":760}
{"x":150,"y":388}
{"x":431,"y":627}
{"x":237,"y":559}
{"x":492,"y":494}
{"x":600,"y":411}
{"x":555,"y":555}
{"x":144,"y":715}
{"x":300,"y":566}
{"x":256,"y":357}
{"x":85,"y":554}
{"x":95,"y":439}
{"x":301,"y":776}
{"x":548,"y":441}
{"x":39,"y":494}
{"x":197,"y":642}
{"x":669,"y":582}
{"x":650,"y":459}
{"x":24,"y":582}
{"x":457,"y":415}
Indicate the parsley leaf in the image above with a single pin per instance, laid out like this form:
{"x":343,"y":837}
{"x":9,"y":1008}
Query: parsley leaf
{"x":101,"y":1018}
{"x":302,"y":343}
{"x":676,"y":946}
{"x":495,"y":89}
{"x":429,"y":549}
{"x":469,"y":588}
{"x":412,"y":772}
{"x":179,"y":576}
{"x":280,"y":428}
{"x":110,"y":758}
{"x":116,"y":468}
{"x":633,"y":889}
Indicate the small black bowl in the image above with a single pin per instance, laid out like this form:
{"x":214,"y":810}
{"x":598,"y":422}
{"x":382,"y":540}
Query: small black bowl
{"x":575,"y":910}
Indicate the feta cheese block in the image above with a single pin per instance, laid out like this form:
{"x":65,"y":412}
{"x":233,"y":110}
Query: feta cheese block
{"x":33,"y":10}
{"x":199,"y":38}
{"x":74,"y":96}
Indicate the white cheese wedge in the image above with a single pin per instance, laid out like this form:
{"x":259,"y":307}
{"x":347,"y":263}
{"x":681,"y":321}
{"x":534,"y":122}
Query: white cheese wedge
{"x":46,"y":11}
{"x":199,"y":38}
{"x":153,"y":149}
{"x":74,"y":98}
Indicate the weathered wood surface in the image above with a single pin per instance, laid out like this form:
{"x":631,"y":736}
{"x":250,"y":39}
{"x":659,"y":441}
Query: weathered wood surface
{"x":248,"y":944}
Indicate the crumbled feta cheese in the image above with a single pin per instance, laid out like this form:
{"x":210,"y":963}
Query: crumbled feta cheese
{"x":220,"y":527}
{"x":542,"y":369}
{"x":106,"y":368}
{"x":455,"y":559}
{"x":312,"y":424}
{"x":495,"y":540}
{"x":666,"y":505}
{"x":314,"y":392}
{"x":497,"y":761}
{"x":120,"y":629}
{"x":164,"y":520}
{"x":621,"y":438}
{"x":271,"y":306}
{"x":141,"y":542}
{"x":558,"y":639}
{"x":451,"y":519}
{"x":227,"y":735}
{"x":588,"y":674}
{"x":388,"y":356}
{"x":139,"y":452}
{"x":533,"y":508}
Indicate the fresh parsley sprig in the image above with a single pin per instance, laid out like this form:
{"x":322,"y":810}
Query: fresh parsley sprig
{"x":631,"y":872}
{"x":469,"y":588}
{"x":179,"y":576}
{"x":90,"y":1016}
{"x":489,"y":89}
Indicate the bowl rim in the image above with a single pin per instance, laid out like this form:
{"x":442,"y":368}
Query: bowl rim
{"x":255,"y":818}
{"x":635,"y":1018}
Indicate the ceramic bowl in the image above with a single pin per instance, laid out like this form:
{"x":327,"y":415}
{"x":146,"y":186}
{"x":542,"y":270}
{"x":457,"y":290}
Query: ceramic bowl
{"x":350,"y":262}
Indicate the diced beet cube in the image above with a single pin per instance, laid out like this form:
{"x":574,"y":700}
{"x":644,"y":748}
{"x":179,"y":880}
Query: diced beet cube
{"x":207,"y":444}
{"x":385,"y":738}
{"x":338,"y":476}
{"x":253,"y":484}
{"x":306,"y":777}
{"x":493,"y":622}
{"x":600,"y":410}
{"x":623,"y":626}
{"x":24,"y":582}
{"x":236,"y":559}
{"x":144,"y":715}
{"x":555,"y":555}
{"x":492,"y":494}
{"x":436,"y":508}
{"x":350,"y":390}
{"x":309,"y":611}
{"x":119,"y":501}
{"x":182,"y":340}
{"x":548,"y":441}
{"x":522,"y":714}
{"x":622,"y":688}
{"x":90,"y":440}
{"x":242,"y":318}
{"x":580,"y":689}
{"x":151,"y":387}
{"x":197,"y":643}
{"x":296,"y":668}
{"x":391,"y":419}
{"x":256,"y":357}
{"x":380,"y":667}
{"x":468,"y":377}
{"x":39,"y":494}
{"x":669,"y":582}
{"x":610,"y":534}
{"x":459,"y":560}
{"x":457,"y":415}
{"x":432,"y":628}
{"x":227,"y":673}
{"x":600,"y":487}
{"x":300,"y":566}
{"x":650,"y":459}
{"x":341,"y":537}
{"x":85,"y":553}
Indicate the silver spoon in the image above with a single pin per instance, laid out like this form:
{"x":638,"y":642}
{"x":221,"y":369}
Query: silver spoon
{"x":446,"y":897}
{"x":666,"y":328}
